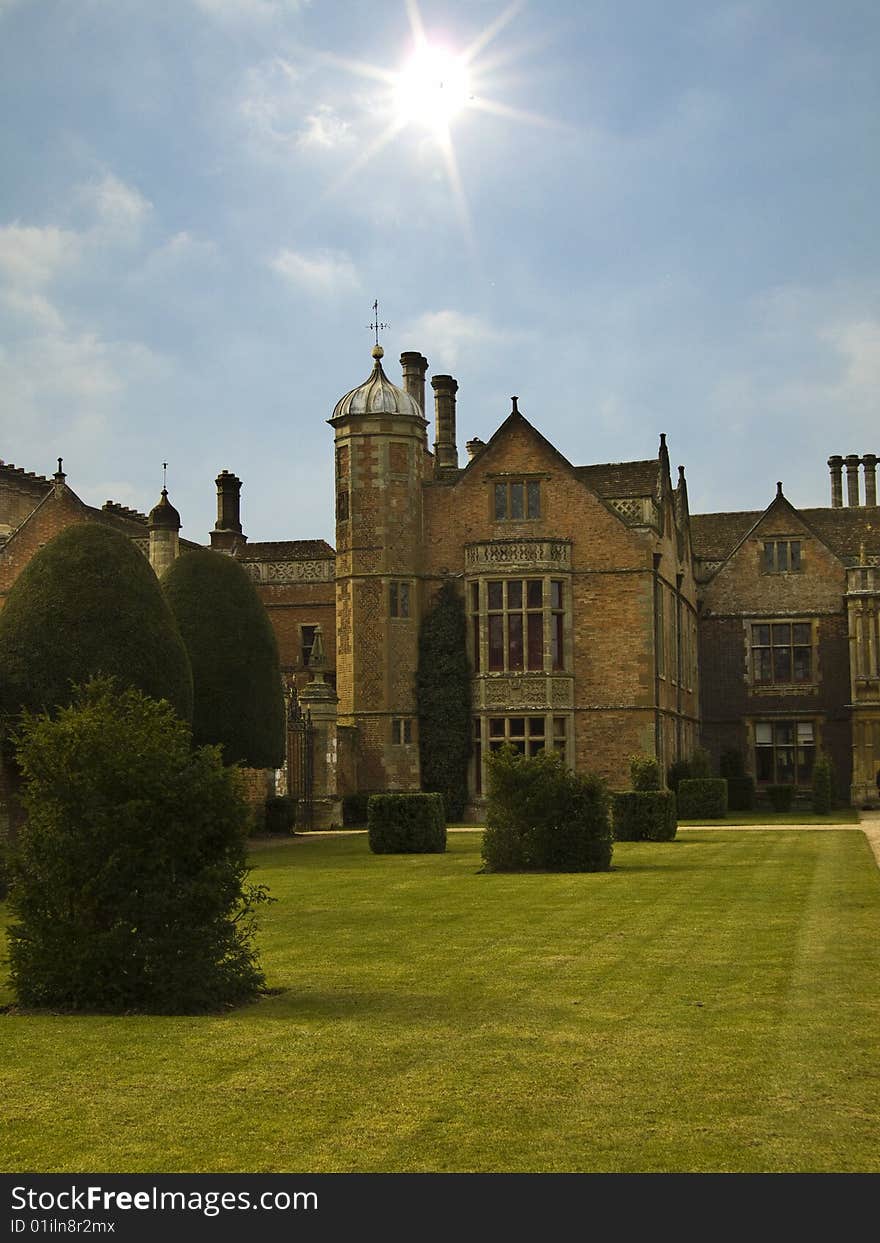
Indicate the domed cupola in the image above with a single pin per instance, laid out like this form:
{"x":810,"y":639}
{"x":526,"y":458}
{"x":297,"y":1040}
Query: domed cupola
{"x":164,"y":516}
{"x":377,"y":395}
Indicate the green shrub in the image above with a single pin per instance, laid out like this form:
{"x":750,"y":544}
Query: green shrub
{"x":678,"y":771}
{"x":701,"y":763}
{"x":354,"y":810}
{"x":700,"y":797}
{"x":823,"y":786}
{"x":740,"y":793}
{"x":88,"y":604}
{"x":644,"y":816}
{"x":238,"y":700}
{"x":280,"y":816}
{"x":128,"y":885}
{"x":644,"y":772}
{"x":780,"y":797}
{"x":732,"y":764}
{"x":541,"y":817}
{"x":443,"y":696}
{"x":406,"y":824}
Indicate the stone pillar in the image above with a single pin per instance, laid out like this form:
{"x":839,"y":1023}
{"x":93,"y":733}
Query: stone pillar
{"x":445,"y":451}
{"x":227,"y":529}
{"x":320,"y":700}
{"x":869,"y":461}
{"x":835,"y":465}
{"x":852,"y":479}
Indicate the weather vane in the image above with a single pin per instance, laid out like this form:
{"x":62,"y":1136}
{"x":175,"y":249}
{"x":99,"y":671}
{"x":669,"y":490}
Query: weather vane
{"x":164,"y":476}
{"x":376,"y":325}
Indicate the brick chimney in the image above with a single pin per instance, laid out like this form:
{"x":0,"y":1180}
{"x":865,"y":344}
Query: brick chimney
{"x":852,"y":479}
{"x":835,"y":465}
{"x":869,"y":461}
{"x":414,"y":366}
{"x":445,"y":451}
{"x":227,"y":529}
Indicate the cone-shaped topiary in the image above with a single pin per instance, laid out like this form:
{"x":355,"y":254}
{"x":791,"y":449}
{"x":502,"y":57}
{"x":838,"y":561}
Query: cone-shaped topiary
{"x":238,"y":702}
{"x":89,"y":604}
{"x":443,"y":694}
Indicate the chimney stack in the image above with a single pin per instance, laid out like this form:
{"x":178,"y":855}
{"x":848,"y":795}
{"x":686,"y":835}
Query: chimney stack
{"x":414,"y":365}
{"x":445,"y":451}
{"x":835,"y":465}
{"x":852,"y":479}
{"x":227,"y":529}
{"x":869,"y":461}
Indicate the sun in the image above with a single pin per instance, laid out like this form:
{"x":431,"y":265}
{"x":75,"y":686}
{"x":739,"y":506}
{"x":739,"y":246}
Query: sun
{"x":432,"y":88}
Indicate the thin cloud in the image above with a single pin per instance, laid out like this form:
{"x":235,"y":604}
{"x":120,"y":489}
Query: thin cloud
{"x":454,"y":335}
{"x":121,"y":209}
{"x":31,"y":256}
{"x":321,"y":272}
{"x":324,"y":130}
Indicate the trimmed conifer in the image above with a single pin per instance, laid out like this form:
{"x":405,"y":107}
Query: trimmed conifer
{"x":88,"y":604}
{"x":443,"y":695}
{"x":238,"y":701}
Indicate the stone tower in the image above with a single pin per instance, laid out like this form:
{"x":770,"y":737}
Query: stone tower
{"x":380,"y":454}
{"x":164,"y":527}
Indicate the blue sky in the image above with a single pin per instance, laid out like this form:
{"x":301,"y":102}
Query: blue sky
{"x":646,"y":217}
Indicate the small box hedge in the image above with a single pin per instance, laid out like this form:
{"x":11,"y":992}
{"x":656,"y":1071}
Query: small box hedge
{"x":644,"y":816}
{"x":740,"y":793}
{"x":354,"y":810}
{"x":780,"y":797}
{"x":280,"y":814}
{"x":702,"y":798}
{"x":406,"y":824}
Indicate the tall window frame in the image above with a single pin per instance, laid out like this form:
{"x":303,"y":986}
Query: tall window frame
{"x":785,"y":751}
{"x":782,"y":652}
{"x":518,"y":623}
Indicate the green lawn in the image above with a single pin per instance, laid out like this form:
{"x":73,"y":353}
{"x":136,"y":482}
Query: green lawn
{"x":711,"y":1004}
{"x":844,"y":815}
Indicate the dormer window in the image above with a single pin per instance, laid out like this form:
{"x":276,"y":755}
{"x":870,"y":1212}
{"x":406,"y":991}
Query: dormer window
{"x":782,"y":556}
{"x":517,"y":500}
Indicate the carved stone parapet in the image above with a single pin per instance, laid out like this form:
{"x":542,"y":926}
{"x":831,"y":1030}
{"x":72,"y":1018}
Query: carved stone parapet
{"x":322,"y":571}
{"x":527,"y":555}
{"x":522,"y":691}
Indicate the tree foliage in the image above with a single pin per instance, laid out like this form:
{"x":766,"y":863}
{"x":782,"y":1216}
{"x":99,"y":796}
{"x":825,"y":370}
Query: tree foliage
{"x":238,"y":702}
{"x":88,"y":604}
{"x":129,"y":882}
{"x":443,"y":696}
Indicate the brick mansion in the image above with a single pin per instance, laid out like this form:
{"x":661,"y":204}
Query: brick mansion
{"x":603,"y":618}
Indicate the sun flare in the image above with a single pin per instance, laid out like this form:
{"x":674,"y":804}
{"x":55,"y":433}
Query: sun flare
{"x":432,"y":88}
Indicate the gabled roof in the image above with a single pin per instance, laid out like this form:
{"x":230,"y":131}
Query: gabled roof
{"x":622,"y":479}
{"x":285,"y":550}
{"x":515,"y":417}
{"x":716,"y":536}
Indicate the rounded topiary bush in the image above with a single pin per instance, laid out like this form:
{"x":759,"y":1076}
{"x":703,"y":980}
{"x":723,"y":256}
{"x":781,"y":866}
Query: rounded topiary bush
{"x":128,"y":887}
{"x":88,"y":604}
{"x":238,"y":699}
{"x":542,"y":817}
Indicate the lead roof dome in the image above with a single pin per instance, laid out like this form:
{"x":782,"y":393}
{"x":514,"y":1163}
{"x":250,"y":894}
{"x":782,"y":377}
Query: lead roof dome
{"x":377,"y":395}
